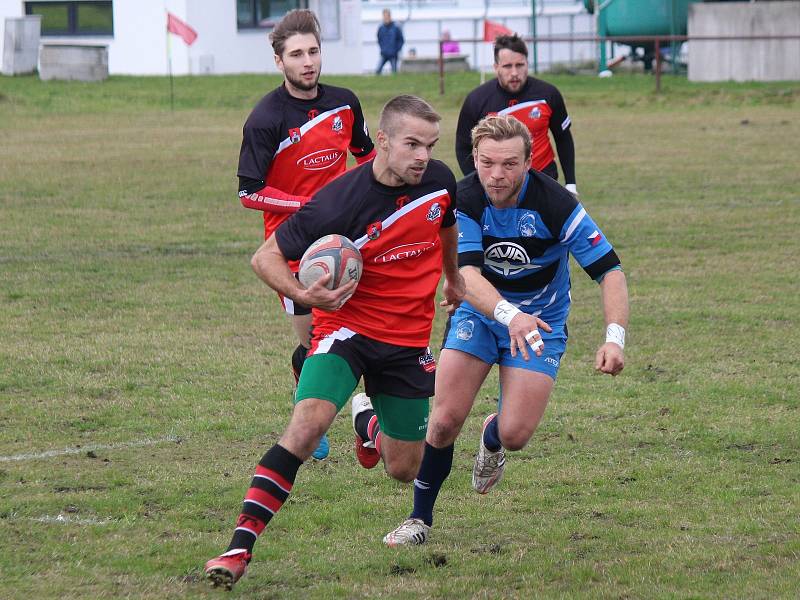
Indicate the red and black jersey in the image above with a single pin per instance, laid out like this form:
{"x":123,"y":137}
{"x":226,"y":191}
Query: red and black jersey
{"x":538,"y":105}
{"x":298,"y":145}
{"x":397,"y":232}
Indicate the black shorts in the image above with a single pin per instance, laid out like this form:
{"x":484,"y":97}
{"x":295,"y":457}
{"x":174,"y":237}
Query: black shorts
{"x":398,"y":371}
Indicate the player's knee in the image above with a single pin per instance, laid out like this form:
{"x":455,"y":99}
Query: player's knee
{"x":443,"y":431}
{"x":515,"y":439}
{"x":402,"y":473}
{"x":402,"y":469}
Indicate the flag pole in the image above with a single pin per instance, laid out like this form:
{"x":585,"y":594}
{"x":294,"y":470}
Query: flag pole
{"x":169,"y":69}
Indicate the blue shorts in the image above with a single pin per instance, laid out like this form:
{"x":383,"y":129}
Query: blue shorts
{"x":486,"y":339}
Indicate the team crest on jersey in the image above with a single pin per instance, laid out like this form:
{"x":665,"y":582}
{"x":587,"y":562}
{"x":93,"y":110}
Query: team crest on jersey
{"x":465,"y":329}
{"x":427,"y":362}
{"x":337,"y":123}
{"x":535,"y":113}
{"x":527,"y":225}
{"x":434,"y":213}
{"x":294,"y":135}
{"x":313,"y":114}
{"x":374,"y":230}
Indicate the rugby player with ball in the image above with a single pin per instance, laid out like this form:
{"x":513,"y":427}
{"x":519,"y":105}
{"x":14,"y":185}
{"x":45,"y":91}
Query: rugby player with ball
{"x":399,"y":212}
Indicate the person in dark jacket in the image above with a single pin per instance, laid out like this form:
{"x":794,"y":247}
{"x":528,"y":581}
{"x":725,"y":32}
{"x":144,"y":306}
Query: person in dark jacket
{"x":390,"y":41}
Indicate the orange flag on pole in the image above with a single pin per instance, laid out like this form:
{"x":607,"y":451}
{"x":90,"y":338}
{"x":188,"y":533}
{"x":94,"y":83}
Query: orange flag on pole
{"x":179,"y":28}
{"x":491,"y":30}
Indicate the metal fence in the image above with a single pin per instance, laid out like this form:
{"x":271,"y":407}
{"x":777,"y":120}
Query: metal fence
{"x":658,"y":41}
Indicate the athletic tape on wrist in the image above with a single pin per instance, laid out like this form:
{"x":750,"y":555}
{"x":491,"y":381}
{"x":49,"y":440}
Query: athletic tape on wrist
{"x":504,"y":311}
{"x":616,"y":333}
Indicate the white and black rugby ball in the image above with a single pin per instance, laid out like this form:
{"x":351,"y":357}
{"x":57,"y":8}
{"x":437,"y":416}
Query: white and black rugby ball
{"x":334,"y":254}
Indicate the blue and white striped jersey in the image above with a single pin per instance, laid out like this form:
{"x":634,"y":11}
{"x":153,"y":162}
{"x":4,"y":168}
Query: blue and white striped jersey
{"x":524,"y":251}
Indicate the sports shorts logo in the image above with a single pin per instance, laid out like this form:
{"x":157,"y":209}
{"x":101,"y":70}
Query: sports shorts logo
{"x":427,"y":362}
{"x":294,"y":135}
{"x":320,"y":160}
{"x":434,"y":213}
{"x":507,"y":258}
{"x":552,"y":361}
{"x":527,"y":225}
{"x":337,"y":123}
{"x":465,"y":329}
{"x":404,"y":251}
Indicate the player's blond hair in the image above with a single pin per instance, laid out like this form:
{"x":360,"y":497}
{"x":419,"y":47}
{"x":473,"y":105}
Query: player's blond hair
{"x":406,"y":104}
{"x":500,"y":128}
{"x":296,"y":21}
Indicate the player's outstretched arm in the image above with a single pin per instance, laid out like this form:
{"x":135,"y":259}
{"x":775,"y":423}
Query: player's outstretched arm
{"x":454,"y":286}
{"x":523,"y":329}
{"x":270,"y":199}
{"x":271,"y":266}
{"x":610,"y":357}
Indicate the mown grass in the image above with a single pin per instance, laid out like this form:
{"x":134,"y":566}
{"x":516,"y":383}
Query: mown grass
{"x":128,"y":313}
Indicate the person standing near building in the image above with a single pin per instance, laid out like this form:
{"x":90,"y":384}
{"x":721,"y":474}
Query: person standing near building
{"x":390,"y":42}
{"x":517,"y":229}
{"x":295,"y":141}
{"x":536,"y":103}
{"x":399,"y":210}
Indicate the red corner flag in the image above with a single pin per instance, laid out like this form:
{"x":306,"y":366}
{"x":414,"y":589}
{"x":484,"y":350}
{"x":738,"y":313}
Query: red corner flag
{"x":178,"y":27}
{"x":492,"y":29}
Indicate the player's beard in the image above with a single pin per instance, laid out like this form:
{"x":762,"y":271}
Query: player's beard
{"x":509,"y":196}
{"x":298,"y":83}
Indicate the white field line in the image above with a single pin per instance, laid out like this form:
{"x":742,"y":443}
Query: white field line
{"x":64,"y":519}
{"x":89,"y":448}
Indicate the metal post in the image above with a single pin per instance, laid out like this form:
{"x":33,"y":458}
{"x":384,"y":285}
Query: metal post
{"x":658,"y":65}
{"x":441,"y":69}
{"x":533,"y":36}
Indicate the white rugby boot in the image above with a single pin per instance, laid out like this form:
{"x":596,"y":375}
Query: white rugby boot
{"x":488,"y":469}
{"x":411,"y":532}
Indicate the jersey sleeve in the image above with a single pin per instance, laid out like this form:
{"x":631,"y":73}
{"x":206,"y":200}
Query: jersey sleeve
{"x":560,"y":125}
{"x":360,"y":142}
{"x":587,"y":244}
{"x":470,"y":231}
{"x":449,"y":218}
{"x":315,"y":219}
{"x":467,"y":119}
{"x":258,"y":149}
{"x":559,"y":120}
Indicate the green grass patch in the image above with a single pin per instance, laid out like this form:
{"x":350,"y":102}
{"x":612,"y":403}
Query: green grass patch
{"x":129,"y":314}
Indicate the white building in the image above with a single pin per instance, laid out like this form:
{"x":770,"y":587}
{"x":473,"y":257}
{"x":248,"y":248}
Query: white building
{"x":232,"y":34}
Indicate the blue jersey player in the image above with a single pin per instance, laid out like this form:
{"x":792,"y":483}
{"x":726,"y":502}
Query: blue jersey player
{"x":517,"y":228}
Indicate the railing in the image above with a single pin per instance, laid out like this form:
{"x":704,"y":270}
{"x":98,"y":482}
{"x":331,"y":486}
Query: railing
{"x":657,"y":40}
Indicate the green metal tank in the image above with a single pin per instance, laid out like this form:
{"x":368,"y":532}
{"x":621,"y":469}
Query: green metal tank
{"x":638,"y":18}
{"x":642,"y":17}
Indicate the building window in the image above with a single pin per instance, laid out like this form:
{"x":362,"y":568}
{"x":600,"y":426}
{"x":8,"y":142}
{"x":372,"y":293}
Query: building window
{"x":252,"y":14}
{"x":73,"y":18}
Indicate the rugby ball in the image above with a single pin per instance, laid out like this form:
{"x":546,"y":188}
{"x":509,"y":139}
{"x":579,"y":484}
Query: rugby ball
{"x":334,"y":254}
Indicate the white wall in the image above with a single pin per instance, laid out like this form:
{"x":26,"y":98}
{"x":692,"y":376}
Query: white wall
{"x":758,"y":60}
{"x":139,"y":43}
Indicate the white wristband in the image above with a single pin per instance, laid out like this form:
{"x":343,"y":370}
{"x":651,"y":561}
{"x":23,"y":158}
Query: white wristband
{"x":572,"y":189}
{"x":616,"y":333}
{"x":504,"y":312}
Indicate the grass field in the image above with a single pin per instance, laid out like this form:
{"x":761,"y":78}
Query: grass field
{"x":143,"y":368}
